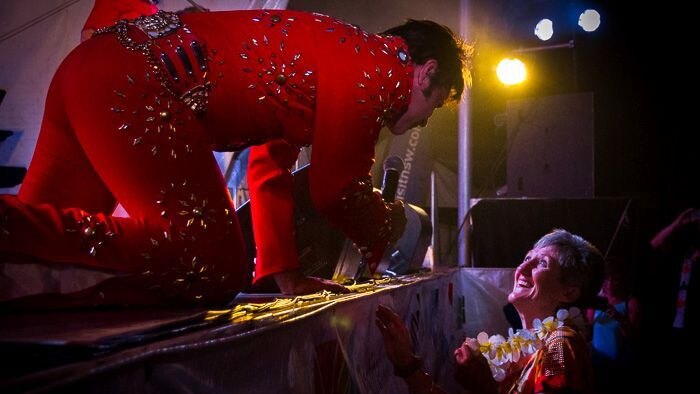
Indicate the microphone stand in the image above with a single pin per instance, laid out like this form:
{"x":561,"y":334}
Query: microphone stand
{"x":361,"y":268}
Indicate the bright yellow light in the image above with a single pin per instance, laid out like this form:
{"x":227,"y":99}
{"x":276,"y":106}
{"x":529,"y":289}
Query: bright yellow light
{"x":511,"y":71}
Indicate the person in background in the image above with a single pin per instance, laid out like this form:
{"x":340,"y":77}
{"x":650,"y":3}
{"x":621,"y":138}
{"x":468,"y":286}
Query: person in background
{"x":134,"y":113}
{"x":676,"y":298}
{"x":616,"y":329}
{"x":107,"y":12}
{"x":550,"y":355}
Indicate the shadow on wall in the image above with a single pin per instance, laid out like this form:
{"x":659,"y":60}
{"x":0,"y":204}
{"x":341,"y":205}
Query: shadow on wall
{"x":10,"y":176}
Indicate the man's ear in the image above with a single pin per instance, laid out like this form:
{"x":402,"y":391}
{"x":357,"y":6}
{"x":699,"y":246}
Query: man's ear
{"x":426,"y":72}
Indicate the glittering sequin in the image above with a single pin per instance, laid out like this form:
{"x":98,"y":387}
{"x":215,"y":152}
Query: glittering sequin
{"x":554,"y":360}
{"x":158,"y":25}
{"x":92,"y":232}
{"x":279,"y":74}
{"x":194,"y":91}
{"x":180,"y":51}
{"x":190,"y":217}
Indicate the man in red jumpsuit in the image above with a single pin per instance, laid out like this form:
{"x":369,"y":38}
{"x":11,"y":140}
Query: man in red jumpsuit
{"x":132,"y":116}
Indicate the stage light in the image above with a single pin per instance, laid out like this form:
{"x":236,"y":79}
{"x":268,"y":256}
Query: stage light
{"x":544,"y":29}
{"x":511,"y":71}
{"x":589,"y":20}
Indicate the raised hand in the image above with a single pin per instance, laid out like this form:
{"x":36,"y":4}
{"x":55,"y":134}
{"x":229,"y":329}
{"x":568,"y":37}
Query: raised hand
{"x":397,"y":339}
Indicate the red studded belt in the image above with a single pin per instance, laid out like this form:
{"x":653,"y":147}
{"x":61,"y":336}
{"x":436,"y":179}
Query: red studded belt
{"x":173,"y":53}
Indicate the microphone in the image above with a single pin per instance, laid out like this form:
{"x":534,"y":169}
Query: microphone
{"x":393,"y":167}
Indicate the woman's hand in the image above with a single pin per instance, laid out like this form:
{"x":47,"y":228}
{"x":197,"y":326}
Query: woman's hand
{"x":472,"y":370}
{"x":397,"y":339}
{"x":467,"y":352}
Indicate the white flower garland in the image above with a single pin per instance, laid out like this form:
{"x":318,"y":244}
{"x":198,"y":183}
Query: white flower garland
{"x":501,"y":352}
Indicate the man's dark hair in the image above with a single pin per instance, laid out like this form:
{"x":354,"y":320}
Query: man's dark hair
{"x":429,"y":40}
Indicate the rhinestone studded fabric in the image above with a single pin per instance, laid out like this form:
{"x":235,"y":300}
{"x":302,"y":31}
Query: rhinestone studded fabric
{"x":554,"y":360}
{"x":158,"y":112}
{"x":168,"y":47}
{"x":161,"y":111}
{"x":280,"y":59}
{"x":284,"y":75}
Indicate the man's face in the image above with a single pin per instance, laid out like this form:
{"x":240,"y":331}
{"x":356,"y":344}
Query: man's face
{"x":423,"y":103}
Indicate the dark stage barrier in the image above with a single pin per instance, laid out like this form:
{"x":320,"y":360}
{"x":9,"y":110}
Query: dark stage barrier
{"x":503,"y":230}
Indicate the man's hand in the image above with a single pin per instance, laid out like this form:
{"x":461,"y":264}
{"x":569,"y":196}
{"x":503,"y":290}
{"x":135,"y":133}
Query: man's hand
{"x":86,"y":34}
{"x":295,"y":283}
{"x":397,"y":216}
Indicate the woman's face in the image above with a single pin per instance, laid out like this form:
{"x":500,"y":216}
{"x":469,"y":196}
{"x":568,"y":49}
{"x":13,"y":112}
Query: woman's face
{"x":538,"y":290}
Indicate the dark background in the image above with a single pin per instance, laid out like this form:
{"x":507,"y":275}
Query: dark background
{"x":645,"y":112}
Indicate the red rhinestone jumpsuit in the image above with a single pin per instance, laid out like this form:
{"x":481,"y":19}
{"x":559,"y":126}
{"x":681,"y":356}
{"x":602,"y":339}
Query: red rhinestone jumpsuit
{"x":132,"y":116}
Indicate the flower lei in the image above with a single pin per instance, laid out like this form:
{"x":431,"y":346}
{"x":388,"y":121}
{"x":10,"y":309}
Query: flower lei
{"x":501,"y":352}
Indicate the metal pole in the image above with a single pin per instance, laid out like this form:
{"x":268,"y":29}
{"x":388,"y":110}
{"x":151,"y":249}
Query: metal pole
{"x":435,"y":218}
{"x":569,"y":44}
{"x":464,"y":157}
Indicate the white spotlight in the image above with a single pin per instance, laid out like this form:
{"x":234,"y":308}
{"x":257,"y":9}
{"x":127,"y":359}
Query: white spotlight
{"x":544,"y":29}
{"x":589,"y":20}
